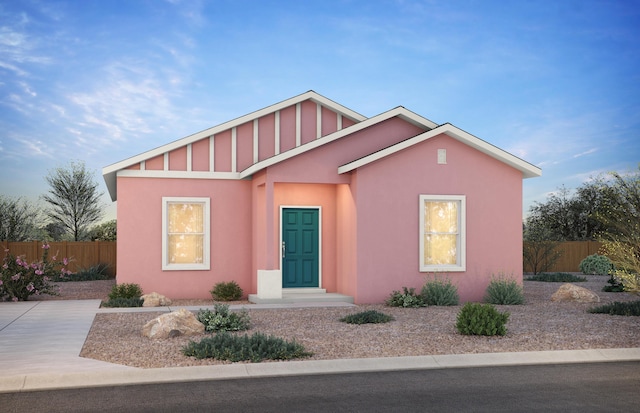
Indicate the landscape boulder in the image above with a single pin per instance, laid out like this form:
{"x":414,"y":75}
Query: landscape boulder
{"x":155,"y":300}
{"x":573,"y":293}
{"x":176,"y":323}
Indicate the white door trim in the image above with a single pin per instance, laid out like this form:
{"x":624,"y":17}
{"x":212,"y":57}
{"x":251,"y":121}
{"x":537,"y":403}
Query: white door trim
{"x":319,"y":208}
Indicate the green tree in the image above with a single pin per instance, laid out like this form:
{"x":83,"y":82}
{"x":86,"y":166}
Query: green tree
{"x":73,"y":198}
{"x":107,"y":231}
{"x":621,"y":240}
{"x":18,"y":219}
{"x":572,"y":215}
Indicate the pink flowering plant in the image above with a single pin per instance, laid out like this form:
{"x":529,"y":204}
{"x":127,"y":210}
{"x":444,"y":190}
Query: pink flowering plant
{"x":20,"y":279}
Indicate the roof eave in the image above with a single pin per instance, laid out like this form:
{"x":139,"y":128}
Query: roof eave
{"x":109,"y":172}
{"x":528,"y":170}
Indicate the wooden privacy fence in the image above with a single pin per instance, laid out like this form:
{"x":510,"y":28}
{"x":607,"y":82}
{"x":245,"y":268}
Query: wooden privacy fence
{"x":82,"y":254}
{"x":85,"y":254}
{"x":572,"y":252}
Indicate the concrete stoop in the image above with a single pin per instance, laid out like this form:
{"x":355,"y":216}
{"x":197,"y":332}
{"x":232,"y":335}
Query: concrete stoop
{"x":293,"y":298}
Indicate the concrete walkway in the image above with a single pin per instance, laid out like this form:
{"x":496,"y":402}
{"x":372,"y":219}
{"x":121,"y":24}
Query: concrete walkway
{"x":40,"y":343}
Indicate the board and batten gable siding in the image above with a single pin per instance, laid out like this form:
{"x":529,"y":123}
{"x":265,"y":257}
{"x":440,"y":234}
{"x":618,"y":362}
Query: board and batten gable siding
{"x":236,"y":149}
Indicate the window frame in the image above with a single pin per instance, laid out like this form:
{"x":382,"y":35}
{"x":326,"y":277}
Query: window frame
{"x":206,"y":242}
{"x":461,"y":250}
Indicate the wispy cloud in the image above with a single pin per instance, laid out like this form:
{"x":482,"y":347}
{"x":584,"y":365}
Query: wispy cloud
{"x":191,"y":10}
{"x":125,"y":104}
{"x":590,"y":151}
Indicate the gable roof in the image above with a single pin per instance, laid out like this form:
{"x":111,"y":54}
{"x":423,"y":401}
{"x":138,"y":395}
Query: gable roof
{"x":110,"y":172}
{"x":399,"y":112}
{"x":528,"y":170}
{"x":360,"y":122}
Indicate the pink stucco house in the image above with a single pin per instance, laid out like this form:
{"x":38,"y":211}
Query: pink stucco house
{"x":308,"y":196}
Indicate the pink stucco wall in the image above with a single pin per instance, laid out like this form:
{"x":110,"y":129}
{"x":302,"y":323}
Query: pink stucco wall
{"x":388,"y":218}
{"x":308,"y":119}
{"x":140,"y":239}
{"x":178,"y":159}
{"x":287,"y":128}
{"x":245,"y":145}
{"x":156,"y":163}
{"x":370,"y":216}
{"x":222,"y":148}
{"x":266,"y":134}
{"x":200,"y":155}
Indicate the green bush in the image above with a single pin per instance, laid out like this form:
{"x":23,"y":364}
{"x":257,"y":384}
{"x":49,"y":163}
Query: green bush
{"x":438,"y":292}
{"x":93,"y":273}
{"x":367,"y":317}
{"x":221,"y":319}
{"x":481,"y":320}
{"x":615,"y":286}
{"x":504,"y":292}
{"x":631,"y":308}
{"x":556,"y":277}
{"x":226,"y":291}
{"x":125,"y":290}
{"x":407,"y":298}
{"x":254,"y":348}
{"x":124,"y":302}
{"x":596,"y":265}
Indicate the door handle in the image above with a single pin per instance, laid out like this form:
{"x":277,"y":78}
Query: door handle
{"x":283,"y":248}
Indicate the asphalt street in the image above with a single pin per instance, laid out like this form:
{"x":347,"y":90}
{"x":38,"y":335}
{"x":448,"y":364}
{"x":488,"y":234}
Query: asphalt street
{"x":592,"y":387}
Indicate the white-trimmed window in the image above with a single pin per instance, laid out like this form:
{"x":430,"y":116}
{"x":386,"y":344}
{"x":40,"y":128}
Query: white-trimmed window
{"x":185,"y":233}
{"x":442,"y":233}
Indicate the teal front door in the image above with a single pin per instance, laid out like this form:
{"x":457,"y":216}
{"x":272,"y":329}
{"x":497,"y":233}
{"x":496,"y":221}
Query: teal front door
{"x":300,"y":247}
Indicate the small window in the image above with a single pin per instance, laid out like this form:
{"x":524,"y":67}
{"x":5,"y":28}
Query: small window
{"x":442,"y":233}
{"x":185,"y":233}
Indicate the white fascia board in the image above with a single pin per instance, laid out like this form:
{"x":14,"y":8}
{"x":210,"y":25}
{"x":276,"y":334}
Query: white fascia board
{"x":233,"y":123}
{"x":396,"y":112}
{"x":528,"y":170}
{"x":127,"y":173}
{"x":109,"y":172}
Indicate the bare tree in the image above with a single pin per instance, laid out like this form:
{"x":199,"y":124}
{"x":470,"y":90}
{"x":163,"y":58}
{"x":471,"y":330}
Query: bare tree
{"x":73,"y":199}
{"x":18,"y":218}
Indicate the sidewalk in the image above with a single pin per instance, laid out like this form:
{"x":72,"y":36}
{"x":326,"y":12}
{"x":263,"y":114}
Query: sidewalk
{"x":40,"y":343}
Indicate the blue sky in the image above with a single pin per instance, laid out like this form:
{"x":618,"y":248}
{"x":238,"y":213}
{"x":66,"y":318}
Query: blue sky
{"x":556,"y":83}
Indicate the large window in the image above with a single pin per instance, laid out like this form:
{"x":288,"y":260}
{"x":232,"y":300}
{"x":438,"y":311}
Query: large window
{"x":185,"y":233}
{"x":442,"y":233}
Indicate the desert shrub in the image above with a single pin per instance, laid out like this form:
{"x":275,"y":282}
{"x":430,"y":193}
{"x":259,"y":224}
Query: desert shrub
{"x":226,"y":291}
{"x":93,"y":273}
{"x":124,"y":302}
{"x":504,"y":292}
{"x":406,"y":298}
{"x":367,"y":317}
{"x":125,"y":290}
{"x":556,"y":277}
{"x":254,"y":348}
{"x":438,"y":292}
{"x":596,"y":265}
{"x":615,"y":286}
{"x":630,"y":308}
{"x":481,"y":320}
{"x":221,"y":319}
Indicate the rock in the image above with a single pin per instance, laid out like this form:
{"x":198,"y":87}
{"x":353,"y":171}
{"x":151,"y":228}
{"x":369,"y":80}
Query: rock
{"x":573,"y":293}
{"x":155,"y":300}
{"x":176,"y":323}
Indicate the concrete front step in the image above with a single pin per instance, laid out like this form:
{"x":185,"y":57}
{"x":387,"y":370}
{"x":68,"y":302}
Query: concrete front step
{"x":291,"y":298}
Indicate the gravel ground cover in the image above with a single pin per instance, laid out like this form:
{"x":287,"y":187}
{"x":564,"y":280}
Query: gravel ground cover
{"x":538,"y":325}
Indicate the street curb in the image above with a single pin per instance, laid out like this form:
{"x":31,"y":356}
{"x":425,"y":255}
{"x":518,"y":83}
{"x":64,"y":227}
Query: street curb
{"x":135,"y":376}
